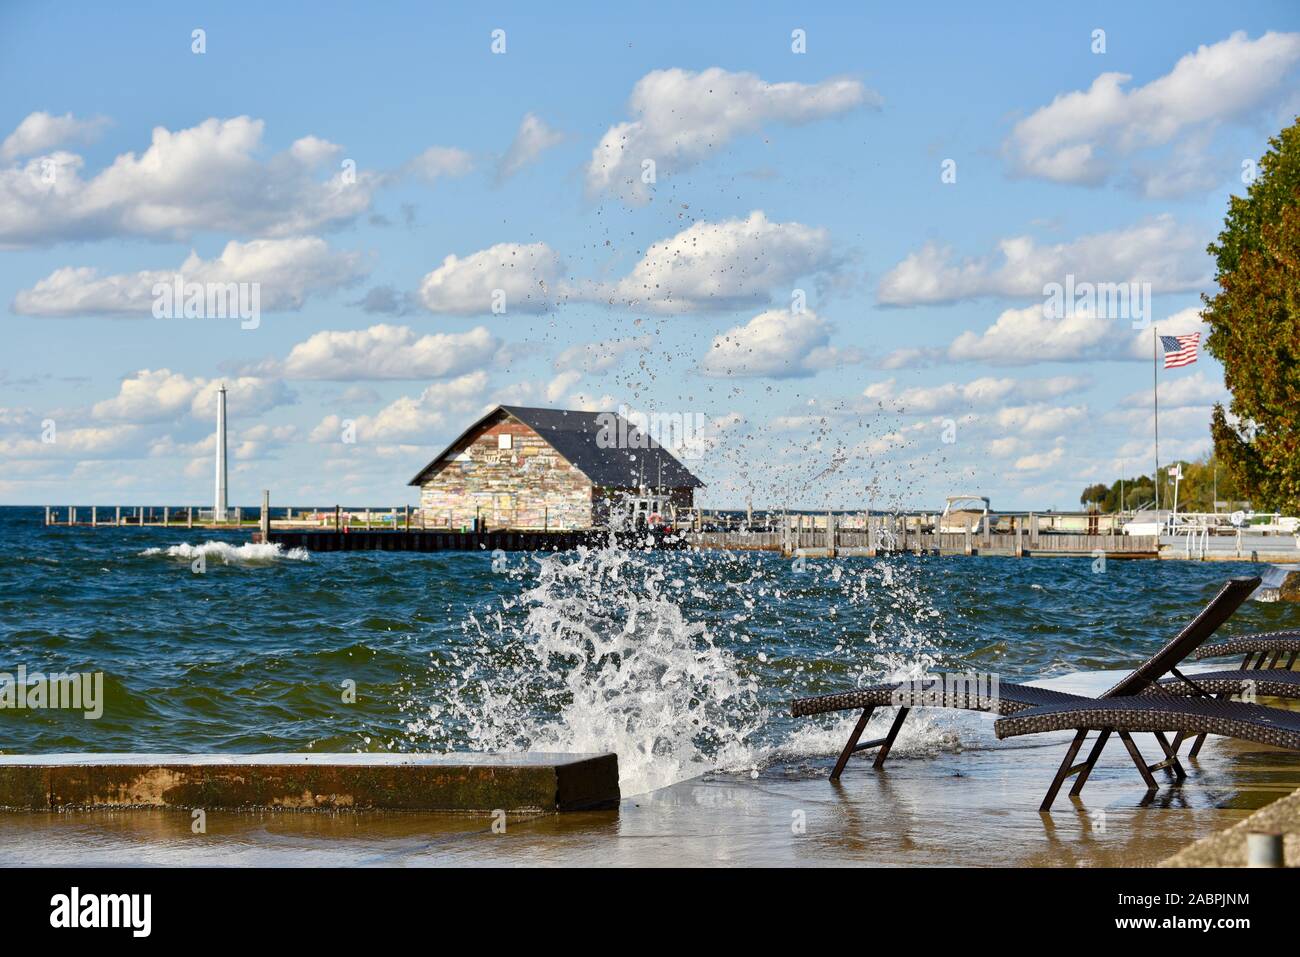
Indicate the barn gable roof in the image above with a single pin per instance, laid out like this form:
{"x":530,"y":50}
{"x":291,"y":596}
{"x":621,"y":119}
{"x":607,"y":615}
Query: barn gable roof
{"x":574,"y":436}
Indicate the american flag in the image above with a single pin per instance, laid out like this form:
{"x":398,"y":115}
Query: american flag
{"x":1180,"y":350}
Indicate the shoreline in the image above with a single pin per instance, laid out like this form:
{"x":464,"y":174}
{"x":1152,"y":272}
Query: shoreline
{"x":974,"y":807}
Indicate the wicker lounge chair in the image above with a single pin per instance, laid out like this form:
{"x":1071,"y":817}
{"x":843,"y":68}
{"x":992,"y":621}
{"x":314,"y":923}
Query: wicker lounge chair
{"x":1159,"y":714}
{"x":1192,"y":707}
{"x":1277,"y":652}
{"x":1013,"y":699}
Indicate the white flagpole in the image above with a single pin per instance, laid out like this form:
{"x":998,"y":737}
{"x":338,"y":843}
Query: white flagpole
{"x":1155,"y":398}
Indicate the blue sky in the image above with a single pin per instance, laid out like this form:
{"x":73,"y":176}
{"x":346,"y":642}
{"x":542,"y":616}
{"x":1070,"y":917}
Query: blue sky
{"x":922,"y":363}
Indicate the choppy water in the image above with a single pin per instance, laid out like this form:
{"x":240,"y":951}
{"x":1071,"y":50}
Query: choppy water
{"x":681,"y":662}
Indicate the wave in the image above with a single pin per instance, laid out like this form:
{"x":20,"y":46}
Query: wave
{"x":247,"y":554}
{"x":610,"y":650}
{"x":597,"y":655}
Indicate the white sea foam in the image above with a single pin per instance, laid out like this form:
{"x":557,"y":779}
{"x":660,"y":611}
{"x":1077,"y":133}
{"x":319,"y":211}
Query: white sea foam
{"x":924,"y":734}
{"x":246,"y":554}
{"x":601,"y":653}
{"x":603,"y":660}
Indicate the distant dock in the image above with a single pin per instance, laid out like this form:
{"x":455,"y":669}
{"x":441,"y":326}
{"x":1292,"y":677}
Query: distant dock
{"x":886,"y":537}
{"x":416,"y":540}
{"x":793,"y":534}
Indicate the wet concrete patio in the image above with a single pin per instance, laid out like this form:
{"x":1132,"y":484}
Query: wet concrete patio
{"x":977,"y":807}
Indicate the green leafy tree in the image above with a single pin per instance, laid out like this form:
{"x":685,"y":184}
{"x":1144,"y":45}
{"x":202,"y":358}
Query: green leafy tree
{"x":1203,"y":483}
{"x":1093,"y":495}
{"x":1255,"y":331}
{"x":1136,"y":494}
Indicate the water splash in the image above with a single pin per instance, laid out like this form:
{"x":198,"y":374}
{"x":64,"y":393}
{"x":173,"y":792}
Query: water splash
{"x":671,"y":660}
{"x":248,"y":553}
{"x":598,"y":655}
{"x":887,"y":629}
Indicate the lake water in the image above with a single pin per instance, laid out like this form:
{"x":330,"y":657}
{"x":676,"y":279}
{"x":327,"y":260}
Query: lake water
{"x":681,"y":662}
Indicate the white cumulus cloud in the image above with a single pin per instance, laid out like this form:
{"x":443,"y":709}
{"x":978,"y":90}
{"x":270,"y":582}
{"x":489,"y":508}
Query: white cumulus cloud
{"x":520,"y":277}
{"x":438,"y":162}
{"x":41,"y":131}
{"x":1158,"y":251}
{"x":1195,"y":391}
{"x":719,"y":266}
{"x":533,"y":139}
{"x":88,"y":442}
{"x":1041,"y":461}
{"x":207,"y":178}
{"x":389,"y":352}
{"x":409,"y":417}
{"x":595,"y":358}
{"x":1080,"y":136}
{"x":1025,"y":336}
{"x":681,"y":116}
{"x":1040,"y":419}
{"x":156,"y":395}
{"x":983,"y":393}
{"x":777,"y":344}
{"x":706,"y":267}
{"x":286,"y":271}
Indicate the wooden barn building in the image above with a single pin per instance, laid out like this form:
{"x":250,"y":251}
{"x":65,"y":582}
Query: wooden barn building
{"x":524,"y":468}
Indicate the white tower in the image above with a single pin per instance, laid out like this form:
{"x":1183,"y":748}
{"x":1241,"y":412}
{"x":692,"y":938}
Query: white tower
{"x":219,"y":506}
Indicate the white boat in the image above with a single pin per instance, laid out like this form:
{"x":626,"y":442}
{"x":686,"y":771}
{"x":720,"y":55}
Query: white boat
{"x":1143,"y":528}
{"x":961,"y":512}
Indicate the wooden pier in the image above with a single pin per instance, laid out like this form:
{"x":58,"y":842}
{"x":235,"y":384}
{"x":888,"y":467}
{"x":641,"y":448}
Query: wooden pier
{"x":828,"y":534}
{"x":142,"y":516}
{"x":893,"y":535}
{"x":415,"y":540}
{"x":164,"y":516}
{"x":809,"y":544}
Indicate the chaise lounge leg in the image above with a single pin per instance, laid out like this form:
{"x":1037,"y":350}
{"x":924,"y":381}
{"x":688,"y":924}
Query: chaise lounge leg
{"x":1140,"y":761}
{"x":852,"y":743}
{"x":1171,"y":762}
{"x":1093,"y":755}
{"x":1067,"y":766}
{"x":1200,"y":738}
{"x":1245,"y":666}
{"x":889,"y":739}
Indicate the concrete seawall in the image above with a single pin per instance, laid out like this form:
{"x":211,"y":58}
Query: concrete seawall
{"x":1227,"y":848}
{"x":424,"y":782}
